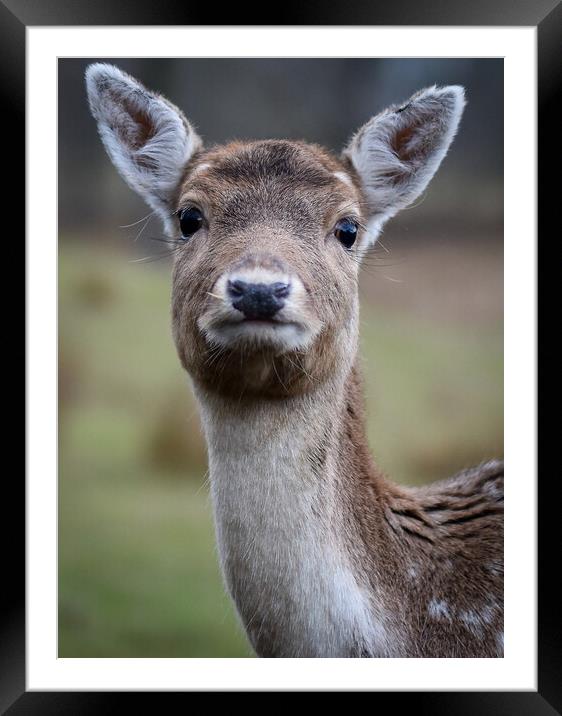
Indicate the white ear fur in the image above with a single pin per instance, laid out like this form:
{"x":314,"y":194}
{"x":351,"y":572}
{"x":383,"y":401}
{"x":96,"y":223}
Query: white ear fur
{"x":148,"y":139}
{"x":399,"y":150}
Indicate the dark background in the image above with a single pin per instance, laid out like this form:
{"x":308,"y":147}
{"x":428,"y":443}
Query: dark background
{"x":138,"y":573}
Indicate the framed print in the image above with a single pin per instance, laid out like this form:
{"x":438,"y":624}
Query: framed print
{"x":142,"y":571}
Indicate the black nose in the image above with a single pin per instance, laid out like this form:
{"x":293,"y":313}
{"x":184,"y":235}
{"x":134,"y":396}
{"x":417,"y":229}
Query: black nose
{"x":258,"y":300}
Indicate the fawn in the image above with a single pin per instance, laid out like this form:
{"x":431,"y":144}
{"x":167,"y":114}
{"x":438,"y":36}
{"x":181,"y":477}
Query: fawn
{"x":321,"y":553}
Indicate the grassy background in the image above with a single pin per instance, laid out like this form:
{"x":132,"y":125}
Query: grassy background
{"x":138,"y":573}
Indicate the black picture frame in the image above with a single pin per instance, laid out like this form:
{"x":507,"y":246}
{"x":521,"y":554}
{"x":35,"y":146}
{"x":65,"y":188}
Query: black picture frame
{"x":546,"y":16}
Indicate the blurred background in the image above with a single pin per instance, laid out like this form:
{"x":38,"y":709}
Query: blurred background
{"x":138,"y":572}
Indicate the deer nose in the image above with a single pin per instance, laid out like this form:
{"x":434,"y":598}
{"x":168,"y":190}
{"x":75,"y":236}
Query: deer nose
{"x":258,"y":301}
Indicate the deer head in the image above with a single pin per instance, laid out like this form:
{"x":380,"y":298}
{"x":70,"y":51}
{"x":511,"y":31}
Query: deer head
{"x":269,"y":235}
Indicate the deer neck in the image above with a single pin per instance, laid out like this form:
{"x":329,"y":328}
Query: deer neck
{"x":284,"y":507}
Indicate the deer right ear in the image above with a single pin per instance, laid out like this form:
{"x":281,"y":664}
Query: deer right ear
{"x":147,"y":138}
{"x":397,"y":152}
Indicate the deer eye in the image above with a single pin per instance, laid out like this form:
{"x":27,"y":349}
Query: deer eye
{"x":191,"y":220}
{"x":346,"y":232}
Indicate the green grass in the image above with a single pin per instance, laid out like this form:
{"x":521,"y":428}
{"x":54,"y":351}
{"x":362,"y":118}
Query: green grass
{"x":435,"y":395}
{"x":138,"y":572}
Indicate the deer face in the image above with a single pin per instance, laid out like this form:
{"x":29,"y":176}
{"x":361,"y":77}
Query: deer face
{"x":265,"y":287}
{"x":269,"y":234}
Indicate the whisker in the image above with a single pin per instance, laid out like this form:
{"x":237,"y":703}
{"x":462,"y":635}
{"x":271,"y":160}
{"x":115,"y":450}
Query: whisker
{"x":150,"y":259}
{"x":413,"y":206}
{"x":128,"y":226}
{"x":279,"y":377}
{"x":146,"y":223}
{"x":171,"y":242}
{"x":301,"y":368}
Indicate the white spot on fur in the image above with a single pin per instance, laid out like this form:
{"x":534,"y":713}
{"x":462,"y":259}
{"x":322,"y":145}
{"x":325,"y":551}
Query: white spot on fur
{"x":470,"y":617}
{"x":439,"y":609}
{"x":487,"y":613}
{"x":476,"y":621}
{"x":473,"y":622}
{"x":499,"y":643}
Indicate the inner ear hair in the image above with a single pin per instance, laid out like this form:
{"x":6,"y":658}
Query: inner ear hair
{"x":148,"y":138}
{"x":399,"y":150}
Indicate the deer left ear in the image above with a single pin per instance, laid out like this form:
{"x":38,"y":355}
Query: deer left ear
{"x":397,"y":152}
{"x":148,"y":139}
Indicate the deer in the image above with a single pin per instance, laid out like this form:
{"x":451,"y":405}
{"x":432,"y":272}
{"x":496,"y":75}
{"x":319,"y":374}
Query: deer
{"x":322,"y":554}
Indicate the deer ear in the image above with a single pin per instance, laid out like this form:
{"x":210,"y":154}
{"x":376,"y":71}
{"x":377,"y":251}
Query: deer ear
{"x":147,"y":138}
{"x":399,"y":150}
